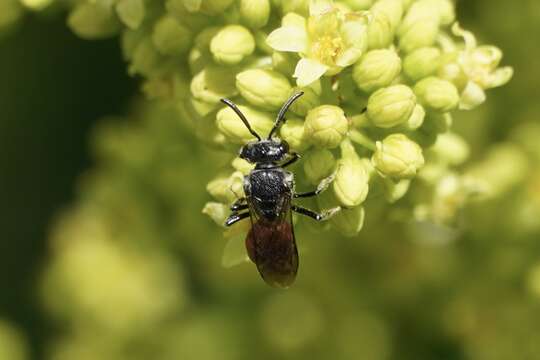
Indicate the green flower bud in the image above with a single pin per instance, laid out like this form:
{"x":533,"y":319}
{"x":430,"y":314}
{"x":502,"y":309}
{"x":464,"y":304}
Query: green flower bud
{"x":393,"y":9}
{"x":227,"y":189}
{"x":266,"y":89}
{"x":293,"y":133}
{"x":393,"y":191}
{"x":318,"y":164}
{"x":391,"y":106}
{"x":451,"y":149}
{"x":13,"y":344}
{"x":234,"y":129}
{"x":421,"y":63}
{"x":296,"y":6}
{"x":210,"y":7}
{"x":93,"y":21}
{"x":284,"y":62}
{"x":358,"y":4}
{"x":131,"y":12}
{"x":376,"y":69}
{"x":380,"y":31}
{"x":261,"y":44}
{"x":398,"y":157}
{"x":349,"y":222}
{"x":255,"y":13}
{"x":171,"y":38}
{"x":420,"y":34}
{"x":242,"y":165}
{"x":146,"y":60}
{"x":309,"y":100}
{"x":447,"y":11}
{"x":450,"y":70}
{"x":326,"y":126}
{"x":217,"y":212}
{"x":213,"y":83}
{"x":351,"y":182}
{"x":437,"y":94}
{"x":232,"y":44}
{"x":417,"y":118}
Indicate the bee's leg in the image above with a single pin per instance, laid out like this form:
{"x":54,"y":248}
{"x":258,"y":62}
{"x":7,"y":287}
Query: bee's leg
{"x":323,"y":185}
{"x":292,"y":160}
{"x":234,"y":218}
{"x":325,"y":215}
{"x":239,"y":204}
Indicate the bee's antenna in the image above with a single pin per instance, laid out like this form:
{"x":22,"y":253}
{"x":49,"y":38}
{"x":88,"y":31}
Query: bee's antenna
{"x":281,"y":115}
{"x":242,"y":117}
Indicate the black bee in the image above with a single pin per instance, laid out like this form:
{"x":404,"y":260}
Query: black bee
{"x":269,"y":191}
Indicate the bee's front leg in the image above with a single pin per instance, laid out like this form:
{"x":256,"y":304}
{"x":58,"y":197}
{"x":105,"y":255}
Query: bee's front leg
{"x":234,"y":218}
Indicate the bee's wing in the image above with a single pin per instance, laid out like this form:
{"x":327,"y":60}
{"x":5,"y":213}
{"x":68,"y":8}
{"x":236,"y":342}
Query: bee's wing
{"x":271,"y":246}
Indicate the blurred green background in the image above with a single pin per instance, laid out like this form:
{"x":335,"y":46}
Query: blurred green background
{"x":383,"y":295}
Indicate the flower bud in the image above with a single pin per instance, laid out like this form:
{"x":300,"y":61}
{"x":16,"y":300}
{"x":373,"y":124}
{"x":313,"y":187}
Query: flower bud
{"x":437,"y":94}
{"x":242,"y":165}
{"x":351,"y":182}
{"x":393,"y":9}
{"x":227,"y":189}
{"x":266,"y":89}
{"x":217,"y":212}
{"x":391,"y":106}
{"x":213,"y":83}
{"x":326,"y":126}
{"x":234,"y":129}
{"x":309,"y":100}
{"x":417,"y":118}
{"x":232,"y":44}
{"x":380,"y":31}
{"x":255,"y":13}
{"x":171,"y":38}
{"x":318,"y":164}
{"x":421,"y":63}
{"x":420,"y":34}
{"x":131,"y":12}
{"x":284,"y":62}
{"x":395,"y":190}
{"x":376,"y":69}
{"x":358,"y":4}
{"x":451,"y":149}
{"x":93,"y":21}
{"x":293,"y":133}
{"x":349,"y":222}
{"x":398,"y":157}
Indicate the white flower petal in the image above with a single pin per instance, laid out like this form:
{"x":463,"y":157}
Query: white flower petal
{"x":288,"y":38}
{"x":500,"y":77}
{"x":319,"y":7}
{"x":468,"y":37}
{"x":307,"y":71}
{"x":472,"y":96}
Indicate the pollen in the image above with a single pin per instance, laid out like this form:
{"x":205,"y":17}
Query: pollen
{"x":327,"y":48}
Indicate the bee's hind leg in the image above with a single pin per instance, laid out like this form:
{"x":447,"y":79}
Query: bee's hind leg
{"x":325,"y":215}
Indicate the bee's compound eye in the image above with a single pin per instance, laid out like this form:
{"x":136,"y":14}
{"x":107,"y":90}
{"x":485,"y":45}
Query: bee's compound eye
{"x":284,"y":146}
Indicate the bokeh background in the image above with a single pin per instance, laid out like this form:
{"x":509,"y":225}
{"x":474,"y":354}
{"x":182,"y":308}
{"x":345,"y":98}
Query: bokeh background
{"x":81,"y":163}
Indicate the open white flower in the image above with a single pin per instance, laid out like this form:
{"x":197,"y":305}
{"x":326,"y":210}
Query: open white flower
{"x":328,"y":41}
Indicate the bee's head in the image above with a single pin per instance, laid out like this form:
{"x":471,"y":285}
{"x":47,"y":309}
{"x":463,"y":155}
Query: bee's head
{"x":265,"y":151}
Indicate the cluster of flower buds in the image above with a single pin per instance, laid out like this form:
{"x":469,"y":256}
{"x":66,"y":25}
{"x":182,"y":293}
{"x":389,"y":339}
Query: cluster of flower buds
{"x":380,"y":78}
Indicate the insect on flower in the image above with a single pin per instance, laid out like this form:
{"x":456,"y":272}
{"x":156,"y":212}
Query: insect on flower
{"x":269,"y":191}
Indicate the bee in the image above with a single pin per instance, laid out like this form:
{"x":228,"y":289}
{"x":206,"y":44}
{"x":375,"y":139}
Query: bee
{"x":269,"y":192}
